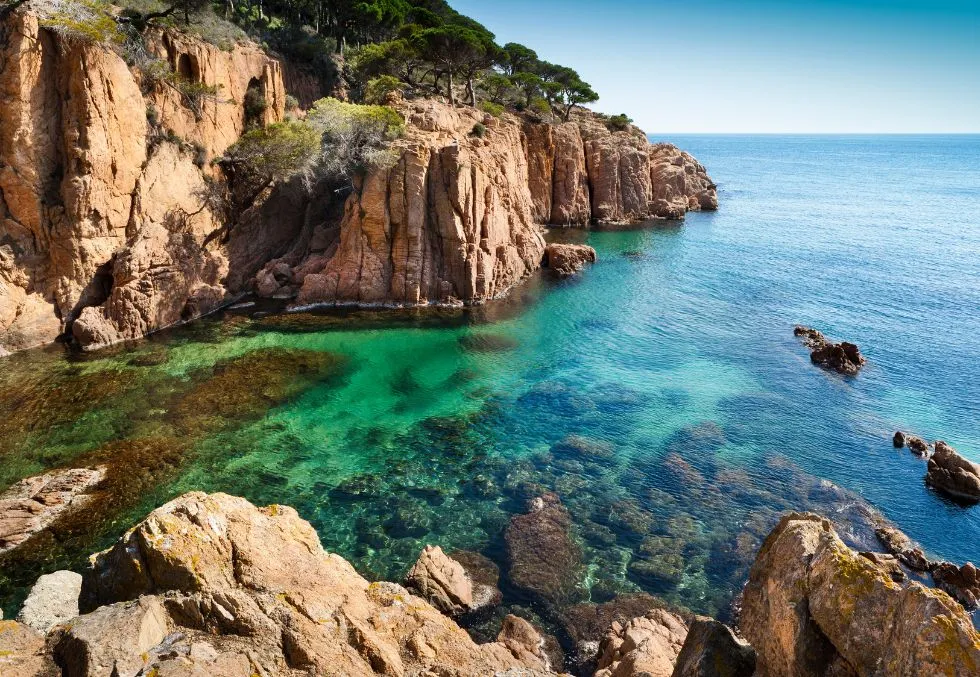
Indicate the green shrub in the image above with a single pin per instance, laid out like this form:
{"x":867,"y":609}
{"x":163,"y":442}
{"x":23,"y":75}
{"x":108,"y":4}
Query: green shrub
{"x":82,"y":21}
{"x":255,"y":106}
{"x":274,"y":153}
{"x":495,"y":109}
{"x":355,"y":138}
{"x":620,"y":122}
{"x":195,"y":94}
{"x":152,"y":115}
{"x":479,"y":130}
{"x":378,"y":89}
{"x":292,"y":103}
{"x":540,"y":105}
{"x":200,"y":155}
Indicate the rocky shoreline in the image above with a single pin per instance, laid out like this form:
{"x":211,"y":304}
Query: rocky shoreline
{"x":107,"y":238}
{"x":212,"y":585}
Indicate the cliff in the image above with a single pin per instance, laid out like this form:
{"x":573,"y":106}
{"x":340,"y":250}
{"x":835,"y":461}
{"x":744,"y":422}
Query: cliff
{"x":210,"y":584}
{"x":106,"y":235}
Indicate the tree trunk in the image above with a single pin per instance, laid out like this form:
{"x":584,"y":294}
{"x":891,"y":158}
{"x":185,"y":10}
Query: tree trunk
{"x":472,"y":91}
{"x":452,"y":98}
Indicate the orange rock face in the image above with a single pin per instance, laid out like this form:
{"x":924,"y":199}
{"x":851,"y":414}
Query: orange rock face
{"x":97,"y":214}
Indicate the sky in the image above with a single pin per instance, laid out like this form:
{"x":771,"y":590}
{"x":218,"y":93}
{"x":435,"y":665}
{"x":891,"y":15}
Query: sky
{"x":761,"y":66}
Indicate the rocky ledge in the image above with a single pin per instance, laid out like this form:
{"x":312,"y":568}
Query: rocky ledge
{"x":212,"y":585}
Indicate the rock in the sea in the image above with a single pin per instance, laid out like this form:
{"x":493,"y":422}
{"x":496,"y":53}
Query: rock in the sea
{"x":442,"y":581}
{"x":962,"y":583}
{"x":713,"y":650}
{"x":916,"y":445}
{"x":890,"y":564}
{"x":544,"y":560}
{"x":251,"y":589}
{"x":564,"y":260}
{"x":844,"y":358}
{"x":646,"y":646}
{"x":523,"y":640}
{"x":52,"y":600}
{"x":902,"y":547}
{"x":950,"y":472}
{"x":35,"y":503}
{"x":813,"y":605}
{"x":898,"y":439}
{"x":23,"y":652}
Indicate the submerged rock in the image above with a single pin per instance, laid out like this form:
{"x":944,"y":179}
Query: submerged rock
{"x":844,"y":358}
{"x":544,"y":560}
{"x":645,"y":646}
{"x":950,"y":472}
{"x":52,"y":600}
{"x":564,"y":260}
{"x":812,"y":605}
{"x":35,"y":503}
{"x":713,"y":650}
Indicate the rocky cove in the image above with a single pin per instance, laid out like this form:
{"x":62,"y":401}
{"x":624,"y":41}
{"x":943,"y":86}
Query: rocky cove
{"x":589,"y":477}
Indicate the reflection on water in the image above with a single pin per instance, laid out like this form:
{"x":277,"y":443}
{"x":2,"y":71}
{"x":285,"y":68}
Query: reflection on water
{"x":661,"y":395}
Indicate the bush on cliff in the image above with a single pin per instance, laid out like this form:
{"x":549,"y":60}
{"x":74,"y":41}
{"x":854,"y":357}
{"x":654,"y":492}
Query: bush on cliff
{"x":82,"y":21}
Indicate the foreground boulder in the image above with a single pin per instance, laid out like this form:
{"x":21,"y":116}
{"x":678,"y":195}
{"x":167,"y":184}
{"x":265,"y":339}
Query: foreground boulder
{"x":712,"y":650}
{"x":950,"y":472}
{"x":443,"y":581}
{"x":844,"y":358}
{"x":35,"y":503}
{"x":23,"y":653}
{"x":813,"y":605}
{"x":564,"y":260}
{"x":213,"y":584}
{"x":646,"y":646}
{"x":53,"y":600}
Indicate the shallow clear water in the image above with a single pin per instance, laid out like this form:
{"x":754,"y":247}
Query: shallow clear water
{"x":388,"y":432}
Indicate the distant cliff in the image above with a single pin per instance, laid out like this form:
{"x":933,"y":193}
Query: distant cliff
{"x":106,"y":234}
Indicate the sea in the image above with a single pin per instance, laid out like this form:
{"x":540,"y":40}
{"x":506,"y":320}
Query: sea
{"x":660,"y":394}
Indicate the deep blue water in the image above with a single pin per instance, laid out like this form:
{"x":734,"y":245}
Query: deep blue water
{"x":673,"y":356}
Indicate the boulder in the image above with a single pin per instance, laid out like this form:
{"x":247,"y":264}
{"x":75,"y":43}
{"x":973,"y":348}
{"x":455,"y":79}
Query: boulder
{"x":917,"y":445}
{"x":52,"y":600}
{"x":962,"y":583}
{"x":442,"y":581}
{"x":898,"y":439}
{"x":813,"y":605}
{"x":523,"y":640}
{"x":543,"y":558}
{"x":902,"y":547}
{"x":565,"y":260}
{"x":953,"y":474}
{"x":890,"y":564}
{"x":34,"y":503}
{"x":23,"y":652}
{"x":713,"y":650}
{"x":646,"y":646}
{"x":114,"y":639}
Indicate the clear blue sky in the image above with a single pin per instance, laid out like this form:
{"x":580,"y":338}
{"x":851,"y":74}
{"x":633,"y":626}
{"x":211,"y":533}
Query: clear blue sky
{"x":761,"y":65}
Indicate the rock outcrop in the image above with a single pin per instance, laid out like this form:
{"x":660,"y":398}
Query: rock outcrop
{"x":442,"y":581}
{"x":950,"y":472}
{"x":34,"y":503}
{"x":844,"y":358}
{"x":565,"y":260}
{"x":213,"y":584}
{"x":813,"y":606}
{"x":99,"y":174}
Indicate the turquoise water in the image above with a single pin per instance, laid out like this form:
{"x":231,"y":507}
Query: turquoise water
{"x":661,"y":394}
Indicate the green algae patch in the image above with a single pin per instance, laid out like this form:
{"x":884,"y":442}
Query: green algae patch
{"x":247,"y":386}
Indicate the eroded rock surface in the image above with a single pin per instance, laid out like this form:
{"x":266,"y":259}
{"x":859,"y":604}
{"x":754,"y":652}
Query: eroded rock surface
{"x":35,"y":503}
{"x":711,"y":649}
{"x":441,"y":580}
{"x":52,"y":600}
{"x":813,"y":605}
